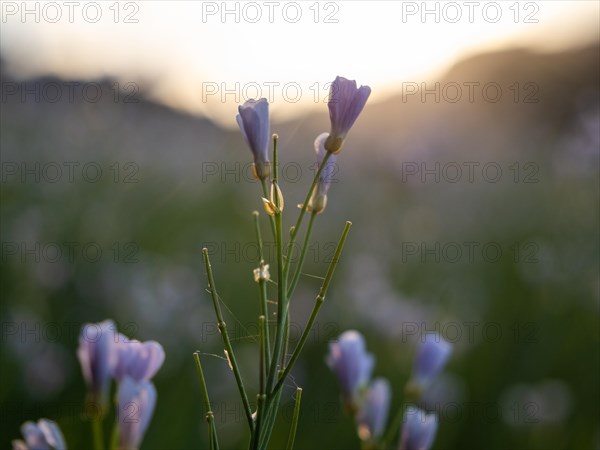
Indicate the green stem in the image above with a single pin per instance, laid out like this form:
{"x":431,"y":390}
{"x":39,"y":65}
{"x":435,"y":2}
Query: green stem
{"x":281,"y":302}
{"x":296,"y":227}
{"x":298,"y":271}
{"x":228,"y":348}
{"x":262,"y":285}
{"x":286,"y":336}
{"x":318,"y":303}
{"x":259,"y":240}
{"x":397,"y":421}
{"x":114,"y":438}
{"x":260,"y":403}
{"x":263,"y":350}
{"x":272,"y":406}
{"x":292,"y":437}
{"x":97,"y":434}
{"x":212,"y":431}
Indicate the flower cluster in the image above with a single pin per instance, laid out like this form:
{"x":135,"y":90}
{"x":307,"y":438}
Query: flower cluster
{"x":369,"y":402}
{"x":346,"y":102}
{"x":105,"y":354}
{"x":44,"y":435}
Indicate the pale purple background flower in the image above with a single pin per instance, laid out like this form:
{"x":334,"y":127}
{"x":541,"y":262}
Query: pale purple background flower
{"x":318,"y":201}
{"x":136,"y":406}
{"x":327,"y":174}
{"x":431,"y":358}
{"x":97,"y":357}
{"x":418,"y":429}
{"x":346,"y":102}
{"x":138,"y":360}
{"x":350,"y":362}
{"x":45,"y":435}
{"x":253,"y":120}
{"x":373,"y":413}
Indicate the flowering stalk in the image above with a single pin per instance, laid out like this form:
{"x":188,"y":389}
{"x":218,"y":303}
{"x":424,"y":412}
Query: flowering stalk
{"x":282,"y":305}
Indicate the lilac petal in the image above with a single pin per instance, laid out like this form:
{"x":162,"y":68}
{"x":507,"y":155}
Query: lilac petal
{"x":350,"y":362}
{"x":418,"y":430}
{"x":326,"y":176}
{"x":136,"y":407}
{"x":355,"y":107}
{"x":149,"y":358}
{"x":34,"y":437}
{"x":52,"y":434}
{"x":374,"y":410}
{"x":346,"y":102}
{"x":138,"y":360}
{"x":431,"y":358}
{"x":97,"y":356}
{"x":253,"y":120}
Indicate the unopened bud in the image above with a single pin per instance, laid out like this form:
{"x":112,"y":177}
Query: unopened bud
{"x":317,"y":203}
{"x":277,"y":196}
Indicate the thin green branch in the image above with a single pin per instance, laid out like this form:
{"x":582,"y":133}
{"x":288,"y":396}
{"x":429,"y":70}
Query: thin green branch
{"x":298,"y":271}
{"x":296,"y":227}
{"x":318,"y":303}
{"x":224,"y":334}
{"x":294,"y":426}
{"x":212,"y":431}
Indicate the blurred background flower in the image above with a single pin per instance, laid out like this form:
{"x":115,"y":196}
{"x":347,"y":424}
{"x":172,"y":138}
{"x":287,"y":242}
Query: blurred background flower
{"x":471,"y":179}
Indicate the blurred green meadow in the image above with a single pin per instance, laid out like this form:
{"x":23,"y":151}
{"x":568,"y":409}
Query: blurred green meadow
{"x":477,"y":217}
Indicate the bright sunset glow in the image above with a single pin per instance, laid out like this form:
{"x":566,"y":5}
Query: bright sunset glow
{"x":195,"y":55}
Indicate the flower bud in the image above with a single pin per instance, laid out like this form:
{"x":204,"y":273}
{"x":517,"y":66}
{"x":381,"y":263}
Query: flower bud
{"x":431,"y":358}
{"x":346,"y":102}
{"x":318,"y":200}
{"x":352,"y":365}
{"x":418,"y":430}
{"x":373,"y":413}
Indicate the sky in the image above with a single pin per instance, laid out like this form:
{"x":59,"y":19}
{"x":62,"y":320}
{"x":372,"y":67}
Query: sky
{"x":206,"y":57}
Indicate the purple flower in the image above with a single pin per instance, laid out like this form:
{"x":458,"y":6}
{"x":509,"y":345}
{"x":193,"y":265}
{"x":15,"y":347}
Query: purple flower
{"x":351,"y":363}
{"x":45,"y":435}
{"x":97,"y":358}
{"x":136,"y":405}
{"x":253,"y":120}
{"x":431,"y":358}
{"x":346,"y":101}
{"x":138,"y":360}
{"x":318,"y":201}
{"x":373,"y":413}
{"x":418,"y":429}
